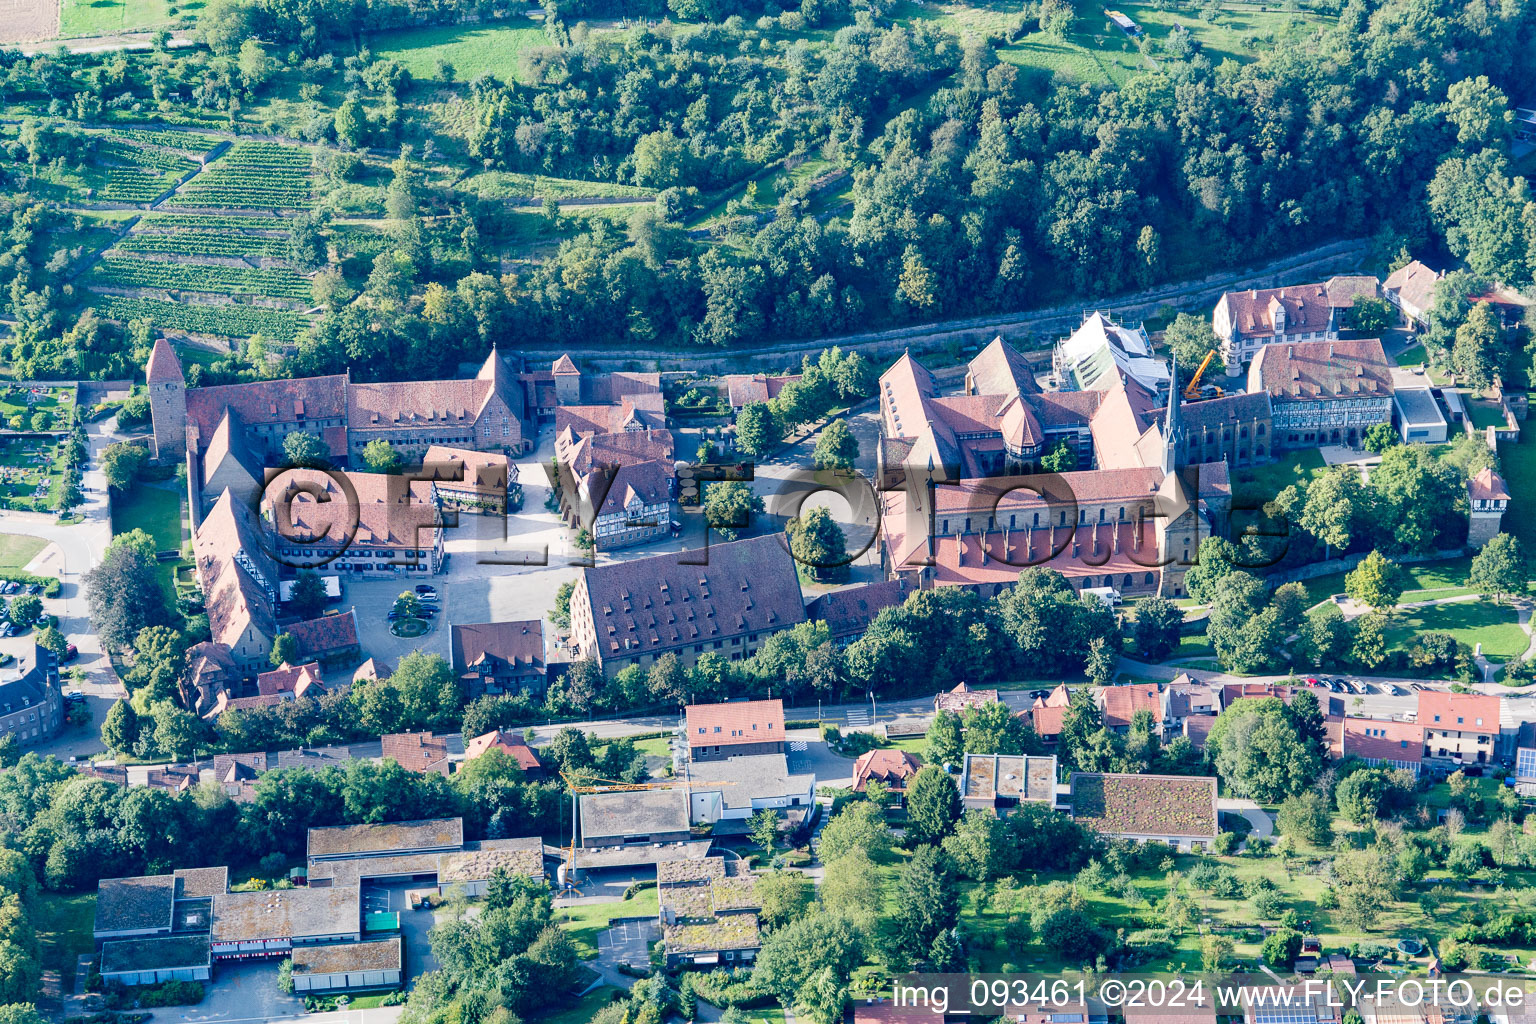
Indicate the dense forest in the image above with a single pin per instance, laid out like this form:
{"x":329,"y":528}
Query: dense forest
{"x":947,"y":181}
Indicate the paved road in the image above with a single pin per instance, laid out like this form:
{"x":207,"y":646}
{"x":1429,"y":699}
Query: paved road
{"x":1263,"y":824}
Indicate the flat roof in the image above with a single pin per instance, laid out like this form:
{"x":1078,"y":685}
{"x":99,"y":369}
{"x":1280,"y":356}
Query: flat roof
{"x":641,"y":812}
{"x":641,"y":856}
{"x":729,"y":931}
{"x":348,"y":872}
{"x":388,"y":837}
{"x":1005,"y":776}
{"x":286,"y":913}
{"x":140,"y":903}
{"x":124,"y":956}
{"x":343,"y":957}
{"x":522,"y":856}
{"x":1418,"y":405}
{"x":749,"y":777}
{"x":194,"y":882}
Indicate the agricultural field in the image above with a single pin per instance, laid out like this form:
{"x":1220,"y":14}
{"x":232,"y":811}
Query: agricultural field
{"x":230,"y":321}
{"x":512,"y":185}
{"x":472,"y":50}
{"x":108,"y":17}
{"x":204,"y":243}
{"x":257,"y":175}
{"x":129,"y":272}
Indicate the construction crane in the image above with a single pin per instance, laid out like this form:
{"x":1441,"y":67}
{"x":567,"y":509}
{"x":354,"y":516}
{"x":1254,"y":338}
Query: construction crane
{"x":579,"y":784}
{"x":1192,"y":390}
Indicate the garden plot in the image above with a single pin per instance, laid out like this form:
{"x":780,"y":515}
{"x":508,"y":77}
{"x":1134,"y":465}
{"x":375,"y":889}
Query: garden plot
{"x":29,"y":472}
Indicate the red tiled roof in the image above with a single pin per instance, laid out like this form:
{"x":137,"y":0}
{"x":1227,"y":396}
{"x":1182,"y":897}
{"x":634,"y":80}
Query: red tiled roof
{"x":962,"y":697}
{"x":299,"y":680}
{"x":416,"y":751}
{"x":565,"y":364}
{"x":851,"y":610}
{"x":390,"y":511}
{"x":1047,"y":720}
{"x":1122,"y":702}
{"x":372,"y":669}
{"x":1415,"y":284}
{"x":735,"y":722}
{"x":163,"y":366}
{"x":297,"y":401}
{"x":1464,"y":712}
{"x":892,"y":767}
{"x":325,"y":635}
{"x":1322,"y":370}
{"x":481,"y":471}
{"x":651,"y":605}
{"x":1252,"y":312}
{"x":1000,"y":369}
{"x":235,"y":604}
{"x":887,"y":1013}
{"x":743,"y":388}
{"x":432,"y":403}
{"x":509,"y":743}
{"x":1488,"y":486}
{"x":1383,"y":739}
{"x":519,"y":645}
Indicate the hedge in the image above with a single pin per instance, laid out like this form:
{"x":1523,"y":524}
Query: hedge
{"x":50,"y":584}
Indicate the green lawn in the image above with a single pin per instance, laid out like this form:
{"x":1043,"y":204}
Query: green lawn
{"x":1262,"y":483}
{"x":104,"y":17}
{"x":1518,"y":462}
{"x":473,"y":50}
{"x":16,"y":550}
{"x":1412,"y":356}
{"x":1485,"y":414}
{"x":586,"y":922}
{"x":584,"y":1009}
{"x":155,"y":510}
{"x":1094,"y":50}
{"x":1471,"y":622}
{"x":1427,"y":581}
{"x":64,"y":924}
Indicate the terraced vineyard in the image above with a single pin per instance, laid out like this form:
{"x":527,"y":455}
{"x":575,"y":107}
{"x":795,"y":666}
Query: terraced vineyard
{"x":214,"y":222}
{"x":231,"y":321}
{"x":252,"y":174}
{"x":203,"y":243}
{"x":130,"y":272}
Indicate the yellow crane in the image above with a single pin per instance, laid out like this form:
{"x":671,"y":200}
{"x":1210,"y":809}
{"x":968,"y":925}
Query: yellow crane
{"x":579,"y":784}
{"x":1192,"y":390}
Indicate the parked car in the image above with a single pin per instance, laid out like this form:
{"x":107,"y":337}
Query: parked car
{"x":74,"y":698}
{"x":425,"y":589}
{"x":33,"y":588}
{"x":393,"y":615}
{"x":71,"y":652}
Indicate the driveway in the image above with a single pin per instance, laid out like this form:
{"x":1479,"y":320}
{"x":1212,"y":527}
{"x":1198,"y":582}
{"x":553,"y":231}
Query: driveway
{"x":808,"y":752}
{"x":1262,"y":824}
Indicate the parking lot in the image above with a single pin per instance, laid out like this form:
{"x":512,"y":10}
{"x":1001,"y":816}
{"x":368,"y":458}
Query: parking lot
{"x":628,"y":943}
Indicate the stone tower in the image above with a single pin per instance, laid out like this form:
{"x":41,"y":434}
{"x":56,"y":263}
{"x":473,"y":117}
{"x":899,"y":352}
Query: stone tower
{"x":1487,"y":501}
{"x":567,"y":381}
{"x":167,"y":403}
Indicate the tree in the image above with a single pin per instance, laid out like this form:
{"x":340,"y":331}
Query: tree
{"x":979,"y":846}
{"x":305,"y":450}
{"x":1480,"y":111}
{"x":1259,"y":752}
{"x":1189,"y":339}
{"x":933,"y":804}
{"x":1371,"y":315}
{"x":1102,"y":661}
{"x":1358,"y":795}
{"x":826,"y":945}
{"x":917,"y":286}
{"x":927,"y":901}
{"x":763,"y":829}
{"x":1380,"y":437}
{"x":1306,"y":817}
{"x":1215,"y":951}
{"x":1477,"y":353}
{"x":25,"y":608}
{"x":854,"y":887}
{"x":122,"y":462}
{"x":994,"y":729}
{"x":120,"y":729}
{"x":1377,"y":582}
{"x":307,"y":598}
{"x":858,"y":826}
{"x":1500,"y":568}
{"x":1281,"y":948}
{"x":757,"y":429}
{"x":285,"y":650}
{"x":836,"y":448}
{"x":816,"y":540}
{"x":1059,"y":916}
{"x":1368,"y":640}
{"x":783,"y":897}
{"x":1060,"y":459}
{"x":1155,"y":633}
{"x":124,"y":592}
{"x":729,"y":506}
{"x":945,"y":744}
{"x":381,"y":457}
